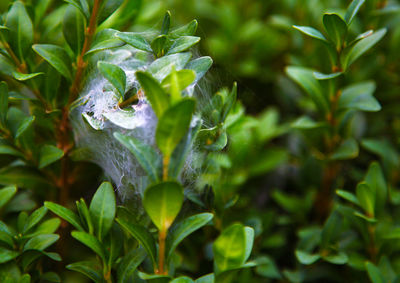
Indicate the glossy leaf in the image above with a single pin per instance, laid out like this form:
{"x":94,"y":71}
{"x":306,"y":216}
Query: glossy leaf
{"x":347,"y":150}
{"x":143,"y":236}
{"x":129,"y":264}
{"x":154,"y":92}
{"x":163,"y":66}
{"x":374,"y":273}
{"x":24,"y":77}
{"x":21,"y":29}
{"x":230,"y":248}
{"x":34,"y":218}
{"x":115,"y":75}
{"x":134,"y":39}
{"x":146,"y":156}
{"x":359,"y":97}
{"x":49,"y":154}
{"x":348,"y":196}
{"x":6,"y":195}
{"x":7,"y":255}
{"x":183,"y":79}
{"x":376,"y":181}
{"x":105,"y":39}
{"x":336,"y":28}
{"x":65,"y":214}
{"x":41,"y":242}
{"x":352,"y":10}
{"x":188,"y":29}
{"x":158,"y":45}
{"x":311,"y":32}
{"x":366,"y":197}
{"x":173,"y":125}
{"x":90,"y":241}
{"x":183,"y":43}
{"x":74,"y":28}
{"x":306,"y":258}
{"x":166,"y":23}
{"x":305,"y":78}
{"x":184,"y":228}
{"x":87,"y":268}
{"x":163,"y":202}
{"x":200,"y":66}
{"x":102,"y":209}
{"x":56,"y":56}
{"x":355,"y":51}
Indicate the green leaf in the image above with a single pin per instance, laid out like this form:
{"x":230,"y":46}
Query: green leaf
{"x":180,"y":153}
{"x":115,"y":75}
{"x":163,"y":66}
{"x":306,"y":258}
{"x":143,"y":236}
{"x":183,"y":79}
{"x":24,"y":77}
{"x":146,"y":156}
{"x":366,"y":197}
{"x":200,"y":66}
{"x":18,"y":122}
{"x":163,"y":202}
{"x":347,"y":150}
{"x":183,"y":43}
{"x":173,"y":125}
{"x":348,"y":196}
{"x":188,"y":29}
{"x":129,"y":264}
{"x":359,"y":97}
{"x":6,"y":149}
{"x":20,"y":29}
{"x":311,"y":32}
{"x":7,"y":255}
{"x":353,"y":52}
{"x":374,"y":273}
{"x":305,"y":123}
{"x":305,"y":78}
{"x":47,"y":227}
{"x":102,"y":209}
{"x":182,"y":279}
{"x":65,"y":214}
{"x":5,"y":238}
{"x":157,"y":97}
{"x":156,"y":278}
{"x":321,"y":76}
{"x":134,"y":39}
{"x":41,"y":242}
{"x":230,"y":248}
{"x":49,"y":154}
{"x":376,"y":181}
{"x":158,"y":44}
{"x":166,"y":23}
{"x":3,"y":102}
{"x":34,"y":218}
{"x":91,"y":242}
{"x":51,"y":277}
{"x":89,"y":269}
{"x":184,"y":228}
{"x":336,"y":28}
{"x":339,"y":258}
{"x":249,"y":241}
{"x":352,"y":10}
{"x":73,"y":28}
{"x":85,"y":214}
{"x":56,"y":56}
{"x":6,"y":194}
{"x":105,"y":39}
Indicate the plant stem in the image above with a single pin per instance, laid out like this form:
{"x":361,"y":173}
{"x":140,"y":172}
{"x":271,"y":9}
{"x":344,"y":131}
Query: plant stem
{"x":130,"y":100}
{"x":161,"y":251}
{"x":165,"y":167}
{"x":81,"y":64}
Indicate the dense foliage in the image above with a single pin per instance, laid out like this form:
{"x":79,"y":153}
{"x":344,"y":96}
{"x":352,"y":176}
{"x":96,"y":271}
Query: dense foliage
{"x":124,"y":158}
